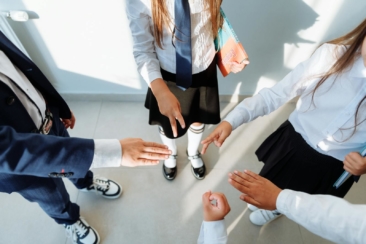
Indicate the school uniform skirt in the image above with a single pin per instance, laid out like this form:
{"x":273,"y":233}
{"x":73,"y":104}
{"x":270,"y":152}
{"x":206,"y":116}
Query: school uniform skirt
{"x":290,"y":163}
{"x":199,"y":103}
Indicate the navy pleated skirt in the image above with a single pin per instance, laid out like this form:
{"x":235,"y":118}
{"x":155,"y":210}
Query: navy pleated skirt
{"x":290,"y":163}
{"x":199,"y":103}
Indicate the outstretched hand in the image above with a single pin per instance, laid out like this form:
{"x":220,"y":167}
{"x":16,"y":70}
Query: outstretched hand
{"x":214,"y":211}
{"x":256,"y":190}
{"x":136,"y":152}
{"x":218,"y":136}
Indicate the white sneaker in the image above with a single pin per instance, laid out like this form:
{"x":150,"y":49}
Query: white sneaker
{"x":252,"y":207}
{"x":261,"y":216}
{"x":82,"y":233}
{"x":105,"y":187}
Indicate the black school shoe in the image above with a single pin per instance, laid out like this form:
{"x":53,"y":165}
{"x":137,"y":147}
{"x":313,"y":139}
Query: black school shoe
{"x":198,"y":173}
{"x":170,"y":173}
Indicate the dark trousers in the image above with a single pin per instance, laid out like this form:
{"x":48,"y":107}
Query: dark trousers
{"x":49,"y":193}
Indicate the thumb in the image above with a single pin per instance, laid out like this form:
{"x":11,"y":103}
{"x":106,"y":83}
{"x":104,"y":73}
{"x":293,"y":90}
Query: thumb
{"x":206,"y":199}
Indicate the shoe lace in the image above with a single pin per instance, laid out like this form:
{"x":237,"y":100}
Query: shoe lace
{"x":75,"y":231}
{"x":100,"y":184}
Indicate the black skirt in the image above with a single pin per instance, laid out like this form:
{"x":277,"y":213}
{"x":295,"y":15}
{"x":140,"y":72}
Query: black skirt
{"x":199,"y":103}
{"x":290,"y":163}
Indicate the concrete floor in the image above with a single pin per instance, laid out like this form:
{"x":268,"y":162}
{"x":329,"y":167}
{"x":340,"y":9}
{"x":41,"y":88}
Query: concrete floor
{"x":151,"y":209}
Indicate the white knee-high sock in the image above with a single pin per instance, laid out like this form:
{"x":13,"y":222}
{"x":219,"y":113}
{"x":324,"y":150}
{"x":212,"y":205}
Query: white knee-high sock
{"x":194,"y":141}
{"x":169,"y":162}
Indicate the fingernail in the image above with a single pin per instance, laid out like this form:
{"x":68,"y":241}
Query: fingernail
{"x":241,"y":197}
{"x":230,"y":174}
{"x":235,"y":171}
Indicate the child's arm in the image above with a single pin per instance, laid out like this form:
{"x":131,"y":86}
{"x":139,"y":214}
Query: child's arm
{"x":148,"y":64}
{"x":140,"y":21}
{"x":269,"y":99}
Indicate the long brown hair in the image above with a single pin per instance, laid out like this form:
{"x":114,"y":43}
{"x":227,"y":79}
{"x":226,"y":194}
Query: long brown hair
{"x":353,"y":40}
{"x":161,"y":17}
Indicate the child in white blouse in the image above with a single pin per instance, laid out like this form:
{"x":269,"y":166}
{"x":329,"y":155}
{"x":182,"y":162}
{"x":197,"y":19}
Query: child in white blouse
{"x":324,"y":133}
{"x":152,"y":24}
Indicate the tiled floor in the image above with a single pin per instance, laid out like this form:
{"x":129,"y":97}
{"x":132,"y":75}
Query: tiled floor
{"x":151,"y":209}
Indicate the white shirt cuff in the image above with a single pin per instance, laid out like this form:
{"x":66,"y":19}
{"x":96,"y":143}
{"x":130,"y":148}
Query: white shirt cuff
{"x":214,"y":231}
{"x":151,"y":76}
{"x":107,"y":153}
{"x":282,"y":201}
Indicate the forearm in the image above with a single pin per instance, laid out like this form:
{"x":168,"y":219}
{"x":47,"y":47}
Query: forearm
{"x":246,"y":111}
{"x":40,"y":155}
{"x":329,"y":217}
{"x":144,"y":53}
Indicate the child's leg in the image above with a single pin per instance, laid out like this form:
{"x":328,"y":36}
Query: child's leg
{"x":194,"y":140}
{"x":170,"y":162}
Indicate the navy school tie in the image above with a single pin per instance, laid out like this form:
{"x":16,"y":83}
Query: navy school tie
{"x":183,"y":50}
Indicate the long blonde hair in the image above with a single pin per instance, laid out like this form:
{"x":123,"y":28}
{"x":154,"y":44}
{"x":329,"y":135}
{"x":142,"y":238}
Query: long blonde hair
{"x":353,"y":40}
{"x":161,"y":17}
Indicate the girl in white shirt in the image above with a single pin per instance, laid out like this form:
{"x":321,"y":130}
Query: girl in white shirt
{"x":153,"y":28}
{"x":324,"y":133}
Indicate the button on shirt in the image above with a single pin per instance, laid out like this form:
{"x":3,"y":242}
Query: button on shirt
{"x":150,"y":57}
{"x":107,"y":153}
{"x":327,"y":123}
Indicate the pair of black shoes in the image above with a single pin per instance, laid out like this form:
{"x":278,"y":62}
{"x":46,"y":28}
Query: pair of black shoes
{"x":198,"y":173}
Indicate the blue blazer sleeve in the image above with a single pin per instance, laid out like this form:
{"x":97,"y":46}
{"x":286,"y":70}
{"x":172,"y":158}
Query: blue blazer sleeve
{"x":44,"y":155}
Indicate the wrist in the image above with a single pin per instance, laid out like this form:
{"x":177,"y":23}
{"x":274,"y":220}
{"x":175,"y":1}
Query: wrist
{"x":227,"y":125}
{"x":158,"y":87}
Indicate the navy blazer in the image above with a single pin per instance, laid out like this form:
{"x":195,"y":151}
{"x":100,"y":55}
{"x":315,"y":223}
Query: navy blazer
{"x":23,"y":151}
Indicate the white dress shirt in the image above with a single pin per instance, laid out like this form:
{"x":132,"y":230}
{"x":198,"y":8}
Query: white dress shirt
{"x":31,"y":99}
{"x":107,"y":153}
{"x":327,"y":124}
{"x":212,"y":232}
{"x":149,"y":57}
{"x":327,"y":216}
{"x":330,"y":217}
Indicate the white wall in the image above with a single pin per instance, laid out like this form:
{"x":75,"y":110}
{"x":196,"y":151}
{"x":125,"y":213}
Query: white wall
{"x":84,"y":46}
